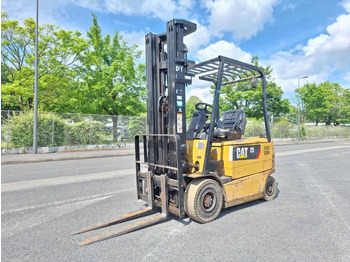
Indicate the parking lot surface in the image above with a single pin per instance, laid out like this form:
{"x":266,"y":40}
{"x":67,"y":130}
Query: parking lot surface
{"x":308,"y":221}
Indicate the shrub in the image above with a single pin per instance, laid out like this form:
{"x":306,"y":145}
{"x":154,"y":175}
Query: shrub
{"x":281,"y":130}
{"x":137,"y":126}
{"x":254,"y":128}
{"x":303,"y":132}
{"x":85,"y":132}
{"x":50,"y":129}
{"x":317,"y":131}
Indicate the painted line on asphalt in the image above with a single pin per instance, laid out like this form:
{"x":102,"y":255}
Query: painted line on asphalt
{"x":44,"y":158}
{"x":67,"y":201}
{"x":25,"y":221}
{"x":297,"y":152}
{"x":16,"y":186}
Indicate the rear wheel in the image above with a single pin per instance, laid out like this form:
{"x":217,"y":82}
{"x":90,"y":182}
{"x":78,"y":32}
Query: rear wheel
{"x":270,"y":189}
{"x":203,"y":200}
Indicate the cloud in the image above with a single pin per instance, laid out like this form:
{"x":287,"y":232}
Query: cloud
{"x":162,"y":9}
{"x":288,"y":6}
{"x":346,"y":5}
{"x":157,"y":8}
{"x":199,"y":38}
{"x":95,"y":5}
{"x":243,"y":18}
{"x":314,"y":44}
{"x":318,"y":58}
{"x":136,"y":38}
{"x":21,"y":9}
{"x":224,"y":48}
{"x":347,"y":77}
{"x":54,"y":12}
{"x":200,"y":89}
{"x":50,"y":10}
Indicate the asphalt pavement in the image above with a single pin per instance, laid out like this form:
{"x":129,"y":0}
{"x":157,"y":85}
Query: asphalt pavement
{"x":42,"y":202}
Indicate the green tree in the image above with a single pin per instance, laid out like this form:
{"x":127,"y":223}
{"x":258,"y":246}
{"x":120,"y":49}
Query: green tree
{"x":243,"y":95}
{"x":58,"y":53}
{"x":190,"y":106}
{"x":326,"y":102}
{"x":137,"y":125}
{"x":110,"y":78}
{"x":50,"y":130}
{"x":345,"y":107}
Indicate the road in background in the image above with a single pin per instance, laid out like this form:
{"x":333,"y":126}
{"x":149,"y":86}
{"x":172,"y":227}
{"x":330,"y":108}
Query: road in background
{"x":308,"y":221}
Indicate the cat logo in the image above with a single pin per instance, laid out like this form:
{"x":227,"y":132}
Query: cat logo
{"x":244,"y":152}
{"x":241,"y":152}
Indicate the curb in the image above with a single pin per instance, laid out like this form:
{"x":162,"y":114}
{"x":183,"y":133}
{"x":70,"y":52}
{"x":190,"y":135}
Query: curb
{"x":296,"y":142}
{"x":36,"y":160}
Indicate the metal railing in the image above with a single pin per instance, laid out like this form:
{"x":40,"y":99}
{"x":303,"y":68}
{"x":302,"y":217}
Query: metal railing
{"x":67,"y":129}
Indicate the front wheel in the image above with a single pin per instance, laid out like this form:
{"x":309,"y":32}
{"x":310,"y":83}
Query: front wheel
{"x":203,"y":200}
{"x":270,"y":189}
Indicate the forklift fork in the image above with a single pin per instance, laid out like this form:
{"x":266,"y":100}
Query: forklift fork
{"x":151,"y":220}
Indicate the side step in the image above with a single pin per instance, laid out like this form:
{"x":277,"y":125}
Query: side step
{"x":154,"y":219}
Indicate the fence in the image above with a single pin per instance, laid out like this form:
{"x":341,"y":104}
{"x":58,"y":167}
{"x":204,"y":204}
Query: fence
{"x":63,"y":129}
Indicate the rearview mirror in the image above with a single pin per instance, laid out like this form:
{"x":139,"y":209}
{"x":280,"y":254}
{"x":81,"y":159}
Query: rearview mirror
{"x":253,"y":83}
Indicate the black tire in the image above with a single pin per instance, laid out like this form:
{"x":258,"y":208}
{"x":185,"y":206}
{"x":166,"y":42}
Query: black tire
{"x":270,"y":189}
{"x":203,"y":200}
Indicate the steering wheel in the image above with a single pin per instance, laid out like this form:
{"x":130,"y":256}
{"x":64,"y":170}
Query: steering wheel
{"x":204,"y":107}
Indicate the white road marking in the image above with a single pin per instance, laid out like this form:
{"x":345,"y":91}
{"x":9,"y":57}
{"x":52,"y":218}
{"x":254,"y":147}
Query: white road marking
{"x":298,"y":152}
{"x":336,"y":202}
{"x":15,"y":186}
{"x":67,"y":201}
{"x":29,"y":220}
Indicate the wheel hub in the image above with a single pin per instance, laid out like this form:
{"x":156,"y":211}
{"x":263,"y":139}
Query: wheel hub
{"x":209,"y":201}
{"x":269,"y":189}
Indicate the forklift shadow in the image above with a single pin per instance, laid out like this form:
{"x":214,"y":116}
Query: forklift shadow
{"x":187,"y":220}
{"x":184,"y":221}
{"x":277,"y":191}
{"x":227,"y":211}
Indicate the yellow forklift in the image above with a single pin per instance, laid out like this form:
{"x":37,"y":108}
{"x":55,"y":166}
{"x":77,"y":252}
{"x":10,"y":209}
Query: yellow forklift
{"x":210,"y":165}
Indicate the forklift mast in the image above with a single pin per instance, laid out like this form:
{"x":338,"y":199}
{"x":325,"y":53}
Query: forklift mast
{"x":165,"y":145}
{"x":166,"y":65}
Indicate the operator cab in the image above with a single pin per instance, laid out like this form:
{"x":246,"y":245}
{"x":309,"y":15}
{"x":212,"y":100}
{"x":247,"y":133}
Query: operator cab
{"x":231,"y":124}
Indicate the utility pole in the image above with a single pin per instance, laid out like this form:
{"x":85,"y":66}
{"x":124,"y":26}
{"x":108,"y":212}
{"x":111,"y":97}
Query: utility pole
{"x":299,"y":127}
{"x":35,"y":128}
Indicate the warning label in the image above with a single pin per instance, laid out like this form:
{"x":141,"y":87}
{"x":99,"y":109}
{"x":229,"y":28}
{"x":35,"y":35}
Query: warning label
{"x":179,"y":123}
{"x":244,"y":152}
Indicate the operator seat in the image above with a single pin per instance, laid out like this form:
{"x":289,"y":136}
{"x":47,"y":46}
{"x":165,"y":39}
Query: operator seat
{"x":196,"y":126}
{"x":231,"y":125}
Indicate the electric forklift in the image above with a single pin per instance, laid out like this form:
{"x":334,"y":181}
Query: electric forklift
{"x":199,"y":170}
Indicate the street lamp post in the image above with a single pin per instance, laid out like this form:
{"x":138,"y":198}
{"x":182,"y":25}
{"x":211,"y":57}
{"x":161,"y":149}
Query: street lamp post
{"x":299,"y":128}
{"x":35,"y":124}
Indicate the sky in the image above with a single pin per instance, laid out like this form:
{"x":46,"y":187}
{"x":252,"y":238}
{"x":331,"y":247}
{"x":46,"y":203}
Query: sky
{"x":296,"y":38}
